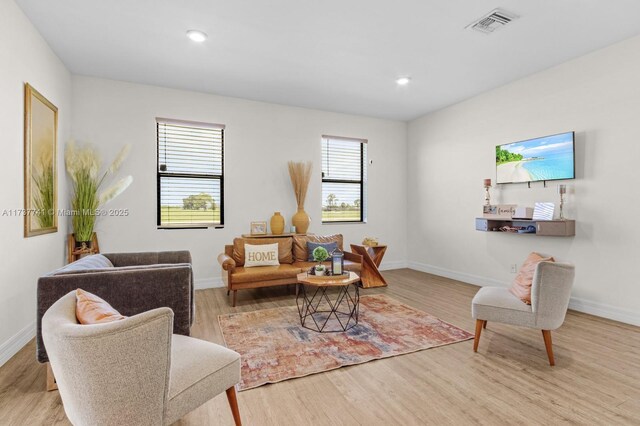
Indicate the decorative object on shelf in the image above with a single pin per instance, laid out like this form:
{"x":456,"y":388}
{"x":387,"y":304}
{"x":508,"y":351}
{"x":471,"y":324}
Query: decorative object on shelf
{"x":300,"y":174}
{"x":78,"y":249}
{"x":370,"y":275}
{"x":562,"y":189}
{"x":277,"y":224}
{"x":83,"y":166}
{"x":499,"y":211}
{"x":337,"y":262}
{"x":370,"y":242}
{"x":258,"y":228}
{"x":523,"y":213}
{"x":40,"y":177}
{"x":293,"y":229}
{"x":543,"y":211}
{"x":320,"y":254}
{"x":487,"y":196}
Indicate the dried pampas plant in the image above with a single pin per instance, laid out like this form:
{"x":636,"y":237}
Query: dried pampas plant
{"x":300,"y":174}
{"x":83,"y":166}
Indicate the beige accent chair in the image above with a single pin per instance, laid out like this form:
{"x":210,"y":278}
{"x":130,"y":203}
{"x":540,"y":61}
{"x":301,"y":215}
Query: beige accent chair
{"x":550,"y":293}
{"x":134,"y":371}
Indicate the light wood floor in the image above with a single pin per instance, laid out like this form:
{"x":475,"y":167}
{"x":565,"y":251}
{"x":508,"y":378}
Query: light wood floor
{"x":596,"y":379}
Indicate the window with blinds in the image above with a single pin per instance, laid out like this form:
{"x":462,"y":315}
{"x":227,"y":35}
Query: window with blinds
{"x":344,"y":179}
{"x":190,"y":174}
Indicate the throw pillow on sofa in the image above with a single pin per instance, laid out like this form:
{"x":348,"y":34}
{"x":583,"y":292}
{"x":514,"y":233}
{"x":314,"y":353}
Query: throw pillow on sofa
{"x":300,"y":252}
{"x":521,"y":287}
{"x":330,"y":247}
{"x":261,"y":255}
{"x":284,"y":248}
{"x":90,"y":309}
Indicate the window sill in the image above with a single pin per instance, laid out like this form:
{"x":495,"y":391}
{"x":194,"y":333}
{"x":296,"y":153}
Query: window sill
{"x":191,"y":227}
{"x":344,"y":222}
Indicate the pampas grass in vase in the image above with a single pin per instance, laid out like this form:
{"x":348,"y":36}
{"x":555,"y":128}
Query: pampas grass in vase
{"x":83,"y":166}
{"x":300,"y":174}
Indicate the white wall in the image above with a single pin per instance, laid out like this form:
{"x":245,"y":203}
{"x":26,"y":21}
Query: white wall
{"x":25,"y":57}
{"x":259,"y":140}
{"x":452,"y":150}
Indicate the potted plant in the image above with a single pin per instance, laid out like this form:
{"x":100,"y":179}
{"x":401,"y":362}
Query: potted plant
{"x":83,"y":166}
{"x":320,"y":254}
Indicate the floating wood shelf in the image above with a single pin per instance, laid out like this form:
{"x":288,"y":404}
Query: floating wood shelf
{"x":550,"y":228}
{"x":286,"y":234}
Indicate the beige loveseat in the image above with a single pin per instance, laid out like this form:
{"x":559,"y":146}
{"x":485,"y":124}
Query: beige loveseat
{"x":292,"y":255}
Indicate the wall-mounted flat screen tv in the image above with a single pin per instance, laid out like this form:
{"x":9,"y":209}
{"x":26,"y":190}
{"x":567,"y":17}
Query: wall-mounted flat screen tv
{"x":547,"y":158}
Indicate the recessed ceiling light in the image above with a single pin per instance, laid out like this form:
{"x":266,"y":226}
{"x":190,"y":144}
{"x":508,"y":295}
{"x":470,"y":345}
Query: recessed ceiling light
{"x":197,"y":36}
{"x":403,"y":81}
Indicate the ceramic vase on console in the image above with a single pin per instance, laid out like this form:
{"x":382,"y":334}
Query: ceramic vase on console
{"x":277,"y":224}
{"x":301,"y":221}
{"x":300,"y":174}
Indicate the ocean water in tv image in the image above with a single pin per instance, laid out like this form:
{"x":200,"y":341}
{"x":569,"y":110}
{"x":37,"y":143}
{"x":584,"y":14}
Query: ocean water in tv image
{"x":546,"y":158}
{"x":553,"y":166}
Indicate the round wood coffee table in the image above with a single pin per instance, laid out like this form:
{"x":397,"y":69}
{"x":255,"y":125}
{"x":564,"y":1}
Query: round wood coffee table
{"x":328,"y":303}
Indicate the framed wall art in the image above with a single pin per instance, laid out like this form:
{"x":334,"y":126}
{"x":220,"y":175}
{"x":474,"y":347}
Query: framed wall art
{"x":40,"y":174}
{"x":258,"y":228}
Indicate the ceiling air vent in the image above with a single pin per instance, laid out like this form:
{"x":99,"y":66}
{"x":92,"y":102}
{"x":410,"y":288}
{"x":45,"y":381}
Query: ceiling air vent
{"x":495,"y":20}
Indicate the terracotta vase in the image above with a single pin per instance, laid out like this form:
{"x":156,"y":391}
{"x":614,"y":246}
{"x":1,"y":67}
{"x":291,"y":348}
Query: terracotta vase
{"x":277,"y":223}
{"x":301,"y":221}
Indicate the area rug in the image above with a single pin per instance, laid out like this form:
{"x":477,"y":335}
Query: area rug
{"x":274,"y":347}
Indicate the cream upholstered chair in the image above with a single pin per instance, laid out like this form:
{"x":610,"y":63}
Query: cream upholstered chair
{"x":550,"y":295}
{"x":134,"y":371}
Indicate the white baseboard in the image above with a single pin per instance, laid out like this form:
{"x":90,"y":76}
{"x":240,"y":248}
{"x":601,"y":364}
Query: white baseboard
{"x":606,"y":311}
{"x":394,"y":264}
{"x":16,"y":342}
{"x":455,"y":275}
{"x":211,"y":282}
{"x":581,"y":305}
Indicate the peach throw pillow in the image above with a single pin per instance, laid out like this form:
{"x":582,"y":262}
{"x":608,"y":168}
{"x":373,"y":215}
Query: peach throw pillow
{"x":521,"y":287}
{"x":90,"y":309}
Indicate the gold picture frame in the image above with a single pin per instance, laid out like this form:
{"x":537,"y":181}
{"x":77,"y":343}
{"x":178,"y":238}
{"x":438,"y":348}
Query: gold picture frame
{"x":40,"y":171}
{"x":258,"y":228}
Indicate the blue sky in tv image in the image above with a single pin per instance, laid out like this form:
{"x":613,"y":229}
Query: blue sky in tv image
{"x":546,"y":158}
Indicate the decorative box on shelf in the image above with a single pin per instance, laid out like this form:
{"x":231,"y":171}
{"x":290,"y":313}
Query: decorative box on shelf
{"x":499,"y":211}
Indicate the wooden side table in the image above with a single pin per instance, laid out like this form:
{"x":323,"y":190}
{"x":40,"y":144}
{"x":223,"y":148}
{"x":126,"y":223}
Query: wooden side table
{"x":74,"y":253}
{"x":371,"y":259}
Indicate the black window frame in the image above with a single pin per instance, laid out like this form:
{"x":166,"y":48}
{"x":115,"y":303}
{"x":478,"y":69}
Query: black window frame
{"x":160,"y":174}
{"x":362,"y":181}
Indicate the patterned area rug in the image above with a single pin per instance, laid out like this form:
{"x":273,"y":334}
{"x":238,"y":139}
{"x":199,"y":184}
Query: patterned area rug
{"x":274,"y":347}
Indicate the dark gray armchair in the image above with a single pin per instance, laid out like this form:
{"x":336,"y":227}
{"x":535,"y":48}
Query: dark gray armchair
{"x":130,"y":282}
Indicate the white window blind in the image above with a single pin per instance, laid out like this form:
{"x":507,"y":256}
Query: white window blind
{"x":190,"y":174}
{"x":344,"y":179}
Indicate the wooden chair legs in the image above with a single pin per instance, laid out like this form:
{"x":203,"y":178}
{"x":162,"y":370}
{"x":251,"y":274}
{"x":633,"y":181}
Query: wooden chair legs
{"x":546,"y":334}
{"x":233,"y":403}
{"x":235,"y":292}
{"x":51,"y":380}
{"x":479,"y":324}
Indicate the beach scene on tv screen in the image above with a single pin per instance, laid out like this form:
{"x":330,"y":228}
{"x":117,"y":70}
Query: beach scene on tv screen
{"x":546,"y":158}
